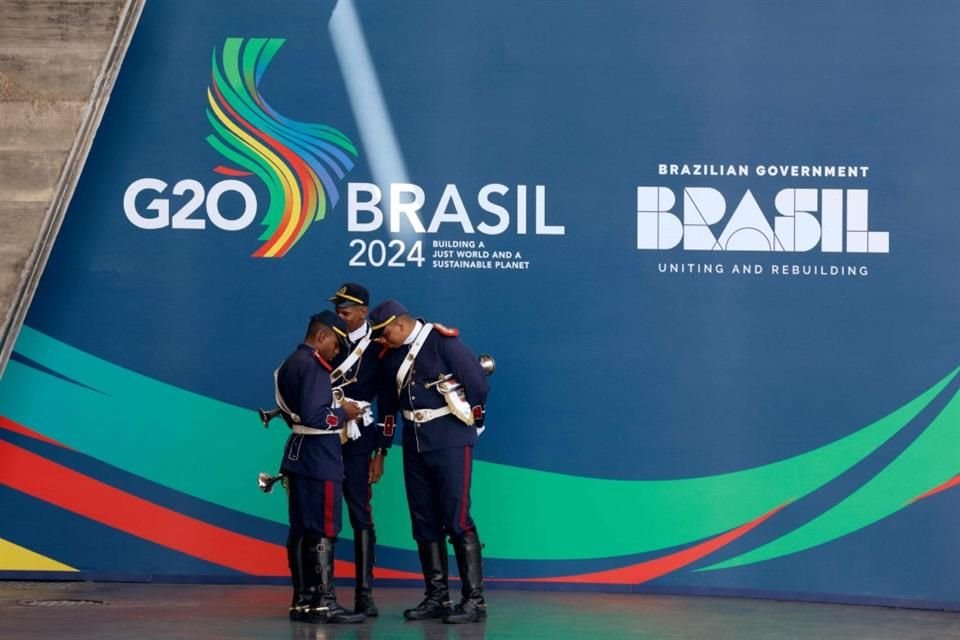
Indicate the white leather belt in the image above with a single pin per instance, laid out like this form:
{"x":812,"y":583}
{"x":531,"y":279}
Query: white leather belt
{"x":425,"y":415}
{"x":304,"y":430}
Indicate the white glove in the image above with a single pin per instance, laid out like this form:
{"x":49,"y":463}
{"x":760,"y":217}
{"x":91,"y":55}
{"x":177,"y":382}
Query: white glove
{"x":353,"y":429}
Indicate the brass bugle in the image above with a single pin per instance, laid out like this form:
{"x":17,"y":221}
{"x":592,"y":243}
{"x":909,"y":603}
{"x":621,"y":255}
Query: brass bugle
{"x":440,"y":378}
{"x":266,"y":481}
{"x":266,"y":416}
{"x":487,"y":363}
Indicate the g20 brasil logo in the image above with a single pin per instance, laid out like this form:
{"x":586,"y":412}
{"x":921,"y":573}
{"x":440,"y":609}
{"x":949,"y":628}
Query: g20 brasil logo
{"x":300,"y":164}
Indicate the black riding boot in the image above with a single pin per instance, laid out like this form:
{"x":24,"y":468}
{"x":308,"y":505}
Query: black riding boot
{"x":433,"y":560}
{"x":364,"y":545}
{"x":324,"y":607}
{"x":300,"y":605}
{"x":472,"y":607}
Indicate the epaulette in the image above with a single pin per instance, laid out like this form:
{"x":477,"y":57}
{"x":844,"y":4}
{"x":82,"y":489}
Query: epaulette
{"x":447,"y":331}
{"x":323,"y":363}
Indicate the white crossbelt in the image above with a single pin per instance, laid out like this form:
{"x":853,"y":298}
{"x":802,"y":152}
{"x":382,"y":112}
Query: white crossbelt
{"x":412,"y":354}
{"x":304,"y":430}
{"x":425,"y":415}
{"x":355,"y":355}
{"x":300,"y":429}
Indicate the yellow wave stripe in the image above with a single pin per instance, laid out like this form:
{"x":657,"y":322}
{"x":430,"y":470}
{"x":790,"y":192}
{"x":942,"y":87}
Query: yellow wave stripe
{"x":13,"y":557}
{"x":289,"y":181}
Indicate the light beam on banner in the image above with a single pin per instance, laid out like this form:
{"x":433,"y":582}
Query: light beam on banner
{"x":366,"y":100}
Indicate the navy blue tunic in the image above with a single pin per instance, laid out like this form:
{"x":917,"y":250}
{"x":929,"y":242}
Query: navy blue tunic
{"x":441,"y":354}
{"x":438,"y":454}
{"x":304,"y":384}
{"x":364,"y":381}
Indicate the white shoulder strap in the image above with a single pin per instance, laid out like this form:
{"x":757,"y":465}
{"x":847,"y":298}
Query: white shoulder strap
{"x":412,"y":354}
{"x":351,"y":360}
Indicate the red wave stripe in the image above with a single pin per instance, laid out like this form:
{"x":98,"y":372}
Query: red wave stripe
{"x":227,"y":171}
{"x":379,"y":572}
{"x":58,"y":485}
{"x":61,"y":486}
{"x":953,"y":482}
{"x":10,"y":425}
{"x":644,"y":571}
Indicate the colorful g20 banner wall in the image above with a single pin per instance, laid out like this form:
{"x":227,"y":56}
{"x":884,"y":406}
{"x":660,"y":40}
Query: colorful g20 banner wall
{"x":711,"y":245}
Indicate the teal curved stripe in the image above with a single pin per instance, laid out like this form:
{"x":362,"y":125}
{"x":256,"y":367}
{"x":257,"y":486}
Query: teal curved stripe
{"x":213,"y":451}
{"x":932,"y":459}
{"x":190,"y":443}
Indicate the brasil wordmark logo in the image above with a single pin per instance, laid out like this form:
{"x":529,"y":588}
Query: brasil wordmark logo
{"x":300,"y":163}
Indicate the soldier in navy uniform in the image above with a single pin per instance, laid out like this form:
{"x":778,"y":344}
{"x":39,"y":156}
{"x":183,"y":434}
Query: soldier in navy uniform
{"x":357,"y":373}
{"x":313,"y":467}
{"x":438,"y":438}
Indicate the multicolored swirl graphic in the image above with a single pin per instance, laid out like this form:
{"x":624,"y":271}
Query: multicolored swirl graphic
{"x":300,"y":163}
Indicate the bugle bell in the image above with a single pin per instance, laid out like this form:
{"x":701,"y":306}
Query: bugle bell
{"x":266,"y":481}
{"x":487,"y":363}
{"x":266,"y":416}
{"x":448,"y":383}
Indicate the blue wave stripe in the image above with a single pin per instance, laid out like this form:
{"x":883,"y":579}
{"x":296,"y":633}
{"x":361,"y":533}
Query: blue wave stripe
{"x":33,"y":364}
{"x":87,"y":545}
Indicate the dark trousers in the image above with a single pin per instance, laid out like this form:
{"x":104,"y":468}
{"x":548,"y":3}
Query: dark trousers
{"x":314,"y":506}
{"x":438,"y":492}
{"x":357,"y":491}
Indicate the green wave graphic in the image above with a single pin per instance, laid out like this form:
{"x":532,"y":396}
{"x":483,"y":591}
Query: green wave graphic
{"x":213,"y":451}
{"x":930,"y":460}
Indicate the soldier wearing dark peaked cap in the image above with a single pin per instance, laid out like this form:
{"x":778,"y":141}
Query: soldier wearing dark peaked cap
{"x":438,"y":438}
{"x":358,"y":373}
{"x":313,"y":468}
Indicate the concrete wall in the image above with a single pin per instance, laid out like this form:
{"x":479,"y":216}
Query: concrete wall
{"x":57,"y":63}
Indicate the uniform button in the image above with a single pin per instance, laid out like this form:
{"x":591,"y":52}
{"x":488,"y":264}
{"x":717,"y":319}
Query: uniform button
{"x":413,"y":397}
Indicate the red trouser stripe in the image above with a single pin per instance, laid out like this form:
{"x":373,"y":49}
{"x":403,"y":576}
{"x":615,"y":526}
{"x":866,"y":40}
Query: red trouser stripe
{"x":328,"y":528}
{"x":465,"y":498}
